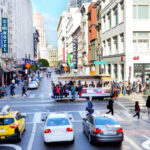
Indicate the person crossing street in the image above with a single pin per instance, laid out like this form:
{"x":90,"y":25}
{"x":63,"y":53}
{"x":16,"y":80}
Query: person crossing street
{"x":24,"y":91}
{"x":89,"y":107}
{"x":110,"y":106}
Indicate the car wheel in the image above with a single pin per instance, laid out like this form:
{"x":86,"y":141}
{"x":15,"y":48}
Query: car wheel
{"x":90,"y":139}
{"x":46,"y":143}
{"x":72,"y":141}
{"x":83,"y":129}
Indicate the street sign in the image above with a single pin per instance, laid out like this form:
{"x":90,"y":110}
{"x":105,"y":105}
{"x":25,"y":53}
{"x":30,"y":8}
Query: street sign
{"x":1,"y":40}
{"x":4,"y":28}
{"x":99,"y":62}
{"x":28,"y":66}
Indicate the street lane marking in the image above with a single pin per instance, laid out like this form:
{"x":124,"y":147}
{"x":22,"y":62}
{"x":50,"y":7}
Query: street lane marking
{"x":132,"y":143}
{"x":16,"y":147}
{"x":32,"y":137}
{"x":37,"y":117}
{"x":146,"y":144}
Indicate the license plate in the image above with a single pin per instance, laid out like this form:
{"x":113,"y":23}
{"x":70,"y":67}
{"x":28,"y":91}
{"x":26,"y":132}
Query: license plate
{"x":110,"y":132}
{"x":2,"y":137}
{"x":2,"y":131}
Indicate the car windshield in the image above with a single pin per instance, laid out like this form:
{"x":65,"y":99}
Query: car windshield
{"x":6,"y":121}
{"x":33,"y":82}
{"x":105,"y":121}
{"x":57,"y":122}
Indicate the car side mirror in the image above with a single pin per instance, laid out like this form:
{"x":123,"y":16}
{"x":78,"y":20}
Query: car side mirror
{"x":23,"y":116}
{"x":70,"y":118}
{"x":43,"y":120}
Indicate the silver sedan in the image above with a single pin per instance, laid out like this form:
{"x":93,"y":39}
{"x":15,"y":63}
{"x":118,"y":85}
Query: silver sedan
{"x":102,"y":128}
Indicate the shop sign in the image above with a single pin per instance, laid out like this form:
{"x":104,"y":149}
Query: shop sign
{"x":75,"y":48}
{"x":136,"y":58}
{"x":1,"y":40}
{"x":99,"y":62}
{"x":5,"y":35}
{"x":35,"y":44}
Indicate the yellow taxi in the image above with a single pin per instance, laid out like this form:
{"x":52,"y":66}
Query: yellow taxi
{"x":12,"y":124}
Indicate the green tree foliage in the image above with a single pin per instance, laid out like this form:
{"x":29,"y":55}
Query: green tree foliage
{"x":43,"y":63}
{"x":33,"y":67}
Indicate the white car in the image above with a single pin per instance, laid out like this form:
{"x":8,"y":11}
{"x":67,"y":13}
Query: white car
{"x":58,"y":128}
{"x":33,"y":85}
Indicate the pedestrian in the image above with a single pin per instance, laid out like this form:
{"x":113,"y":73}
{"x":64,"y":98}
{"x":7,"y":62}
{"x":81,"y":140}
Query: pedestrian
{"x":12,"y":92}
{"x":148,"y":105}
{"x":137,"y":109}
{"x":89,"y":107}
{"x":47,"y":74}
{"x":24,"y":91}
{"x":73,"y":89}
{"x":110,"y":106}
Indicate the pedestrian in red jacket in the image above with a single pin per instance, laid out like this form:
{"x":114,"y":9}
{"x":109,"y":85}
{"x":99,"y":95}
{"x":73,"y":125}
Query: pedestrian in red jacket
{"x":137,"y":109}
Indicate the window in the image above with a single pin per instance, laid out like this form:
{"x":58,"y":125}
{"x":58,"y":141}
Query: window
{"x":108,"y":20}
{"x":115,"y":44}
{"x":122,"y":11}
{"x":121,"y":43}
{"x":6,"y":121}
{"x":141,"y":9}
{"x":115,"y":16}
{"x":141,"y":41}
{"x":57,"y":122}
{"x":109,"y":46}
{"x":143,"y":12}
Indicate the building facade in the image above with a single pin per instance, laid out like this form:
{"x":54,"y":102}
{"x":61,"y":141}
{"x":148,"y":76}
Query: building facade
{"x":17,"y":27}
{"x":53,"y":54}
{"x":62,"y":44}
{"x":38,"y":22}
{"x":126,"y":38}
{"x":92,"y":37}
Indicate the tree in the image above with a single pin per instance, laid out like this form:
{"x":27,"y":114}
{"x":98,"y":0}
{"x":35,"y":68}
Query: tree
{"x":43,"y":63}
{"x":33,"y":67}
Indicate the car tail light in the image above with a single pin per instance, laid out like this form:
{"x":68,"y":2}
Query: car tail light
{"x":98,"y":130}
{"x":13,"y":126}
{"x":120,"y":130}
{"x":69,"y":129}
{"x":47,"y":131}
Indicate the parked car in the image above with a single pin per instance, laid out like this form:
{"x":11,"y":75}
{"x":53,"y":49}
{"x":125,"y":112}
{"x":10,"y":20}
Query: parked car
{"x":33,"y":85}
{"x":102,"y":128}
{"x":58,"y":128}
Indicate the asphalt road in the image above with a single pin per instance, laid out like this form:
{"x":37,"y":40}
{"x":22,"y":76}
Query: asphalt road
{"x":39,"y":103}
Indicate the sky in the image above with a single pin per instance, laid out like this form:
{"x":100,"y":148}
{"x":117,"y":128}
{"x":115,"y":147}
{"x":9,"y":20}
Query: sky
{"x":51,"y":10}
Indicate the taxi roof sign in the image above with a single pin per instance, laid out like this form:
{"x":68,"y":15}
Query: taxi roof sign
{"x":5,"y":110}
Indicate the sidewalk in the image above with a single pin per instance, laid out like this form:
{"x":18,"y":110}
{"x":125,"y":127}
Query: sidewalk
{"x":134,"y":97}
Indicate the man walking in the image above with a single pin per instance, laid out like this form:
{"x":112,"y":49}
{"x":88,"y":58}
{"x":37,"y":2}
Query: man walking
{"x":89,"y":107}
{"x":110,"y":106}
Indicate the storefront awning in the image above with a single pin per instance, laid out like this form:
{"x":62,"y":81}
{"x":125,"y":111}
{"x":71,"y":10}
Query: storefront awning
{"x":11,"y":69}
{"x":5,"y":69}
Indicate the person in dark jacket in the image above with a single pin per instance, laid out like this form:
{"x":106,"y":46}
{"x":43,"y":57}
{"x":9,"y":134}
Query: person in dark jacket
{"x":137,"y":109}
{"x":24,"y":90}
{"x":110,"y":106}
{"x":89,"y":107}
{"x":12,"y":92}
{"x":148,"y":105}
